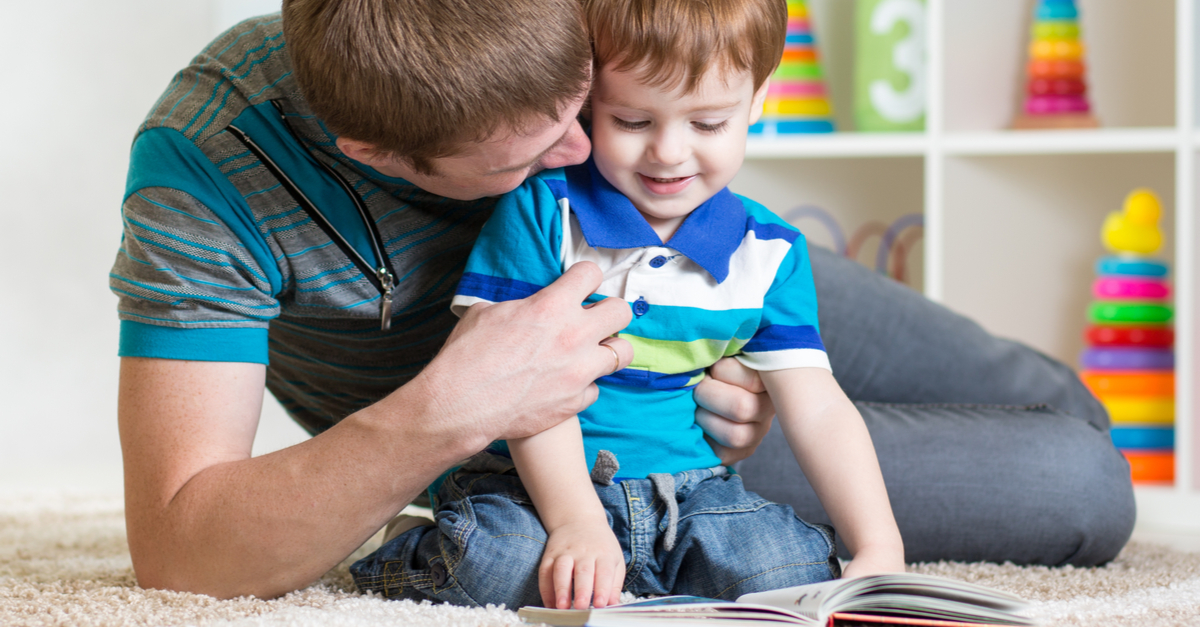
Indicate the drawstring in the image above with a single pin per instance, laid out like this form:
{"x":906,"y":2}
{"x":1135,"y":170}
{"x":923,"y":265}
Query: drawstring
{"x":664,"y":488}
{"x":605,"y":468}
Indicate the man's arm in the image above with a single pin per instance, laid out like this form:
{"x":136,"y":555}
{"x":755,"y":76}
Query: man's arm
{"x":204,"y":516}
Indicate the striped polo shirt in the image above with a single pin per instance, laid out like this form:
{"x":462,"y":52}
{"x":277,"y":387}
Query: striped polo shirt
{"x":218,"y":262}
{"x":734,"y":280}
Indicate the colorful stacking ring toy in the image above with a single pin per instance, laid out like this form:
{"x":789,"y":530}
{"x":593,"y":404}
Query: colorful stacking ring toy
{"x":1104,"y":383}
{"x":1157,"y":410}
{"x":1120,"y":358}
{"x":1134,"y":267}
{"x":1144,"y":336}
{"x":1147,"y":437}
{"x":1108,"y":311}
{"x":1151,"y":466}
{"x":1127,"y":287}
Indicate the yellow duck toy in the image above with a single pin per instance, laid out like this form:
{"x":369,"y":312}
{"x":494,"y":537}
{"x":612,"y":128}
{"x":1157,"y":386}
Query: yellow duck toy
{"x":1134,"y":229}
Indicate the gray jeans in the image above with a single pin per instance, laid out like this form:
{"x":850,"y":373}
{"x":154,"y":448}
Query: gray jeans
{"x":990,"y":450}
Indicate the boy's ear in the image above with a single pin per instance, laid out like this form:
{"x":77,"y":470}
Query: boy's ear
{"x":756,"y":105}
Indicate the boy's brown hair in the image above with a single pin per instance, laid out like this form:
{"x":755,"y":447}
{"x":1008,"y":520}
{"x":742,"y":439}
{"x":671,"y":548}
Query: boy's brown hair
{"x":674,"y":42}
{"x":421,"y":79}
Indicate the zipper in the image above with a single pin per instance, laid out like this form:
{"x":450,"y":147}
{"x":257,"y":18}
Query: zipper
{"x":382,"y":277}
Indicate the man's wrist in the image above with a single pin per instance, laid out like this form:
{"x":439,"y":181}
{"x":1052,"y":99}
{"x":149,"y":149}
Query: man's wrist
{"x":418,"y":412}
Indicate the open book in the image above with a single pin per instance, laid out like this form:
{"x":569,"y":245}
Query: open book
{"x":895,"y":599}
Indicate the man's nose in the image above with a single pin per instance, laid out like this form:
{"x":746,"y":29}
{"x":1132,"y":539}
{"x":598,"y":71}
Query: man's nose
{"x":572,"y":150}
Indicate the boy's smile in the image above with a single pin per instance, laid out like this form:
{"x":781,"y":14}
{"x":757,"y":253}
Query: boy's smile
{"x":668,"y":151}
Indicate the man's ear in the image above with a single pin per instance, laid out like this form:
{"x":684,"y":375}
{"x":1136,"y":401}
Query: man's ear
{"x":363,"y":152}
{"x":756,"y":105}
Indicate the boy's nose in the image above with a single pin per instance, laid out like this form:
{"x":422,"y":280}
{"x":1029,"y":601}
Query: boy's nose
{"x":668,"y":148}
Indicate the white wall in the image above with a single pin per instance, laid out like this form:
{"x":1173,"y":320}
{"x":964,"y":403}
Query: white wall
{"x":78,"y":78}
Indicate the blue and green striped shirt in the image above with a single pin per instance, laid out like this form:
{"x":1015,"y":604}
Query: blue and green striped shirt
{"x":734,"y":280}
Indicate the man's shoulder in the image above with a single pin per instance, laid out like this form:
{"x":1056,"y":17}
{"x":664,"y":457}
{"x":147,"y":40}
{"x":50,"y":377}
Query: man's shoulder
{"x":244,"y":66}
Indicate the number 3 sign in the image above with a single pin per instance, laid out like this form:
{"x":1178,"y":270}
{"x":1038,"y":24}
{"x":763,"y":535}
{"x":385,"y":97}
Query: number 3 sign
{"x":890,"y":65}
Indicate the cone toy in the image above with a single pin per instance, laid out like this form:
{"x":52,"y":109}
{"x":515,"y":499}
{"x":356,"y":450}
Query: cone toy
{"x":797,"y":101}
{"x":1056,"y":89}
{"x":1129,"y":363}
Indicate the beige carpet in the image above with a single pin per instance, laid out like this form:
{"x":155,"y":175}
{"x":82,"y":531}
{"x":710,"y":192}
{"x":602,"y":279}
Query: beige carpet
{"x":63,"y":561}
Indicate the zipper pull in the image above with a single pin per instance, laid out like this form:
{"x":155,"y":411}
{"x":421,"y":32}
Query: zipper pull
{"x":387,"y":281}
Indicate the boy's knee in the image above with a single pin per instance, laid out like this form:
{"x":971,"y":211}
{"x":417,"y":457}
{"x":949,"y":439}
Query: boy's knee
{"x":484,"y":549}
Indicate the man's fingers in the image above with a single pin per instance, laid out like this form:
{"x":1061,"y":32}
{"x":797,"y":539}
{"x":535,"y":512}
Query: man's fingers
{"x":734,"y":372}
{"x":613,"y":354}
{"x":575,"y":285}
{"x":732,"y":402}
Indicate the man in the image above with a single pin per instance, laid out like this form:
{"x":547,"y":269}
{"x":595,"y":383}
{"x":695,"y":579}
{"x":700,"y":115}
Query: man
{"x":309,"y":205}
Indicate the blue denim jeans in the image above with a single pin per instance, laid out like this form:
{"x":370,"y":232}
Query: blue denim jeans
{"x":487,"y":542}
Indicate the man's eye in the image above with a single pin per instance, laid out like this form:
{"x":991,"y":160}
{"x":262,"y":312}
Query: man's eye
{"x":630,"y":126}
{"x":711,"y":128}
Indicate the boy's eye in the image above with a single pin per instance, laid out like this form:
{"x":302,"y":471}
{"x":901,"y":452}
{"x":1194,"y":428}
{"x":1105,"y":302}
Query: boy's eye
{"x":630,"y":126}
{"x":710,"y":127}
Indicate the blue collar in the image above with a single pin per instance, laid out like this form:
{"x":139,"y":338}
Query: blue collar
{"x":708,"y":236}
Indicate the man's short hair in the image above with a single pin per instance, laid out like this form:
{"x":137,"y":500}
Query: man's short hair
{"x":674,"y":42}
{"x":422,"y":79}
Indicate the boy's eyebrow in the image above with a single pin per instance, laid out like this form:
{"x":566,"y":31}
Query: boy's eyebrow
{"x":617,"y":102}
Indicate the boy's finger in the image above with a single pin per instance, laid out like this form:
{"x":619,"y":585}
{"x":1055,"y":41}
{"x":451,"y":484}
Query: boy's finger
{"x":546,"y":583}
{"x":603,"y":591}
{"x":585,"y":577}
{"x":618,"y":581}
{"x":563,"y":568}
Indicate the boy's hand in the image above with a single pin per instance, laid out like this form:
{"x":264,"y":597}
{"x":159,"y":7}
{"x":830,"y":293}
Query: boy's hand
{"x":868,"y":562}
{"x":733,"y":409}
{"x":586,"y":552}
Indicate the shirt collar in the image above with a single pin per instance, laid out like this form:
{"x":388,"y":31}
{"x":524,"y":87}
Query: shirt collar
{"x":708,"y":236}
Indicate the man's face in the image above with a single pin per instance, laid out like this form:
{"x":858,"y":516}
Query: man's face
{"x":499,"y":164}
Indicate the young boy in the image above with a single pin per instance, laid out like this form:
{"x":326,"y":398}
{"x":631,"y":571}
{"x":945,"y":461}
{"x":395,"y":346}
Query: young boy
{"x":708,"y":274}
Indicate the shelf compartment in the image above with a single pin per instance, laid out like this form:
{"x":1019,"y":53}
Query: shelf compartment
{"x":1024,"y":236}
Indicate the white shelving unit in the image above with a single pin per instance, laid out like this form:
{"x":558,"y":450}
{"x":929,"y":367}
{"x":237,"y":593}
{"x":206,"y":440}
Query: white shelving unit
{"x":1012,"y":218}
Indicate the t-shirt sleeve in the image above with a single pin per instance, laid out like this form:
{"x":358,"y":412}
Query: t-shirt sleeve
{"x":788,"y":335}
{"x":519,"y":250}
{"x":189,"y":286}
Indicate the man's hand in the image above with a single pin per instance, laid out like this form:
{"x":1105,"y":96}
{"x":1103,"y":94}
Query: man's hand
{"x":734,"y":410}
{"x":518,"y":367}
{"x":584,"y":551}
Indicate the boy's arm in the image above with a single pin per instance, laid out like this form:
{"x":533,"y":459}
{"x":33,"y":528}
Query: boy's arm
{"x":581,"y":545}
{"x":834,"y":449}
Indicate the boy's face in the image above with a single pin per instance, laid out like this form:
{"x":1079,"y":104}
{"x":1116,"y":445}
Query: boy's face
{"x":667,"y":151}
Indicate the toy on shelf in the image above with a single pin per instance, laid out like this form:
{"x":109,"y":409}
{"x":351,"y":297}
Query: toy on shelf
{"x":1129,"y":363}
{"x":895,"y":239}
{"x":797,"y":101}
{"x":889,"y":65}
{"x":1056,"y":89}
